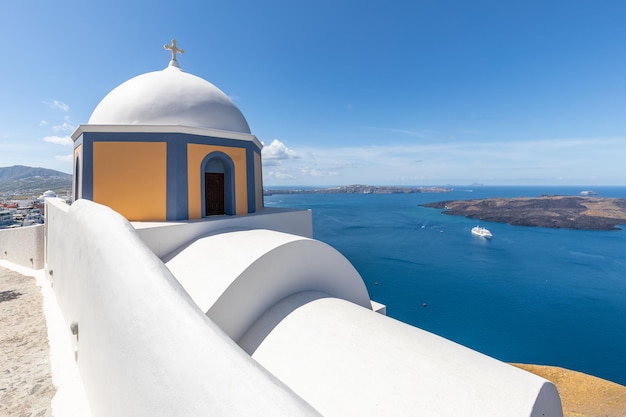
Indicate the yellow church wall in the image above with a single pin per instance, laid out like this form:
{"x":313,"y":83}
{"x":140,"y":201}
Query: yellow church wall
{"x":195,"y":155}
{"x":258,"y":181}
{"x":131,"y":178}
{"x":77,"y":186}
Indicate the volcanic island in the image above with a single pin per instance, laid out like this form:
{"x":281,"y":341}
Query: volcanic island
{"x":565,"y":212}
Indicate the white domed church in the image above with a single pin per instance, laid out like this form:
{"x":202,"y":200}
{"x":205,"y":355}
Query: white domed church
{"x":185,"y":296}
{"x":168,"y":145}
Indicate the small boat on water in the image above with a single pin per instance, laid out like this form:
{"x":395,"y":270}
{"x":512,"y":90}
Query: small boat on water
{"x":482,"y":232}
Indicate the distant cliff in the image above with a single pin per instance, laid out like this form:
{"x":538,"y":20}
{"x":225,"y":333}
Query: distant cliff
{"x":26,"y":181}
{"x":360,"y":189}
{"x":586,"y":213}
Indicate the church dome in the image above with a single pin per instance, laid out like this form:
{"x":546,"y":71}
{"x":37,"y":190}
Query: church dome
{"x":169,"y":97}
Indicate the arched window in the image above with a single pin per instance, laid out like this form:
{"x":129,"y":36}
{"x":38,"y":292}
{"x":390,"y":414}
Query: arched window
{"x":218,"y":185}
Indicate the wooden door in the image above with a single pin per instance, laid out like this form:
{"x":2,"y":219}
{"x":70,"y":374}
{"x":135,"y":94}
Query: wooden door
{"x":214,"y":193}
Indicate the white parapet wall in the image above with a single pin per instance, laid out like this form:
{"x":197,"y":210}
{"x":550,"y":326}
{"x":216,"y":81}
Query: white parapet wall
{"x":165,"y":237}
{"x":23,"y":246}
{"x":143,"y":347}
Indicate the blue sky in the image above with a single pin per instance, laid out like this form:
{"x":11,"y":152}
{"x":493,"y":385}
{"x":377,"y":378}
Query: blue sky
{"x":341,"y":92}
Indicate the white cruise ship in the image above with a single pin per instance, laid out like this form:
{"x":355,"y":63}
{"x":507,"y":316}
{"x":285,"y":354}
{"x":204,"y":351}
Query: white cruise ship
{"x":482,"y":232}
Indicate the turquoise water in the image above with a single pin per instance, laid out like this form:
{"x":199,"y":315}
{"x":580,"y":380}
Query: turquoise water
{"x":532,"y":295}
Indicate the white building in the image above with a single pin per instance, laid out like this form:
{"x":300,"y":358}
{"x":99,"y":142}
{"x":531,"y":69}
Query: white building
{"x":187,"y":297}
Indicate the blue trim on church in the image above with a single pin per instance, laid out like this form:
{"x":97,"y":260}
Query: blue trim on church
{"x":251,"y":186}
{"x":177,"y":182}
{"x":177,"y":190}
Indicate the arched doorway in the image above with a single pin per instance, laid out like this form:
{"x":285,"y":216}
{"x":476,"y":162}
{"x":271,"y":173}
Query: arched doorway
{"x":213,"y":193}
{"x":218,"y":191}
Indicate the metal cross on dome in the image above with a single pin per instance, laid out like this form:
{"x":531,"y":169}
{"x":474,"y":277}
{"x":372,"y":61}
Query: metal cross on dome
{"x":174,"y":49}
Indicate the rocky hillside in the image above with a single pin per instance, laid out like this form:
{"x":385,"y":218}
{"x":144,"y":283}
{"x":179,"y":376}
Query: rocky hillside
{"x":22,"y":181}
{"x":588,"y":213}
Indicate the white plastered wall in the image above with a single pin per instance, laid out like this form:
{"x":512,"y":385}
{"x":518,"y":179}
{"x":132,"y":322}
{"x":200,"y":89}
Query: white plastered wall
{"x":143,"y":346}
{"x":23,"y":246}
{"x":165,"y":237}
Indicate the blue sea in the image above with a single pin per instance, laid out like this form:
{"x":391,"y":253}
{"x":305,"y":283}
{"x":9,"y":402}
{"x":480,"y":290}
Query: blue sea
{"x":530,"y":294}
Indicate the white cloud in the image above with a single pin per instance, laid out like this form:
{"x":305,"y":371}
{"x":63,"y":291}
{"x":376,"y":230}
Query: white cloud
{"x":577,"y":161}
{"x":278,"y":151}
{"x":59,"y":140}
{"x":316,"y":172}
{"x":271,"y":162}
{"x":65,"y":127}
{"x":56,"y":104}
{"x":64,"y":158}
{"x":277,"y":175}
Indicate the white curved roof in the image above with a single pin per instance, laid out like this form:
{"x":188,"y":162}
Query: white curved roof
{"x":169,"y":97}
{"x":236,"y":276}
{"x":345,"y":360}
